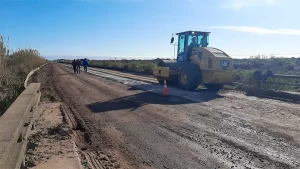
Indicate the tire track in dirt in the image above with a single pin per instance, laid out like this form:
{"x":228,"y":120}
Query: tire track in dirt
{"x":87,"y":130}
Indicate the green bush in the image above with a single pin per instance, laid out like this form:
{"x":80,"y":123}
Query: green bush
{"x":278,"y":65}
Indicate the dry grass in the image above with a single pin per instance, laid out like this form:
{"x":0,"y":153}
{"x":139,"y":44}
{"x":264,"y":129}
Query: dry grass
{"x":13,"y":71}
{"x":3,"y":72}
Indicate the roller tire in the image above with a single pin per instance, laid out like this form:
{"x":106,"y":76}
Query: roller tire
{"x":193,"y":76}
{"x":160,"y":80}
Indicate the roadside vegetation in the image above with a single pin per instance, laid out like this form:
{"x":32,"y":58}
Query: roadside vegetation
{"x":279,"y":65}
{"x":135,"y":66}
{"x":244,"y":68}
{"x":14,"y":68}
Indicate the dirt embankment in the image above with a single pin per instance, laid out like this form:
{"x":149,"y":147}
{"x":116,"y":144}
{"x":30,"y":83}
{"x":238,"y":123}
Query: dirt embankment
{"x":50,"y":144}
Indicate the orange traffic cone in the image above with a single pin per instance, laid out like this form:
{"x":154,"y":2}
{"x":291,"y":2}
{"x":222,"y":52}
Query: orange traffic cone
{"x":165,"y":88}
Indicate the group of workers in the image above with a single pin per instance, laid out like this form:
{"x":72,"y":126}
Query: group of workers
{"x":77,"y":63}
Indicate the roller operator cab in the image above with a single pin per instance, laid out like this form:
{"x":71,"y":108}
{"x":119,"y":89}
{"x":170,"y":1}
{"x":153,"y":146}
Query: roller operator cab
{"x":196,"y":63}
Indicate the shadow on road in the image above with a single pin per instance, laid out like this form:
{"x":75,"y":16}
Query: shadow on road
{"x":201,"y":93}
{"x":138,"y":100}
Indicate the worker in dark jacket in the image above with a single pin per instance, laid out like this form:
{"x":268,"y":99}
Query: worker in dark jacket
{"x":74,"y":65}
{"x":85,"y":64}
{"x":78,"y":64}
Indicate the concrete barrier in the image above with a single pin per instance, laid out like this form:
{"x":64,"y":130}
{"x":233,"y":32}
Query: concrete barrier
{"x":15,"y":125}
{"x":31,"y":73}
{"x":269,"y":93}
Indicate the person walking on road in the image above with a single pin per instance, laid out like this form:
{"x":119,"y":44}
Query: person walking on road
{"x":85,"y":64}
{"x":74,"y":65}
{"x":78,"y":64}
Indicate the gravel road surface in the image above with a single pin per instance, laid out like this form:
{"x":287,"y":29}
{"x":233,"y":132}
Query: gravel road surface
{"x":120,"y":126}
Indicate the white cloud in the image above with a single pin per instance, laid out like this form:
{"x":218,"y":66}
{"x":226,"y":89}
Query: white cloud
{"x":239,"y":4}
{"x":258,"y":30}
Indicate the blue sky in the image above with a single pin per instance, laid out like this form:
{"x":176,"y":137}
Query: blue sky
{"x":143,"y":28}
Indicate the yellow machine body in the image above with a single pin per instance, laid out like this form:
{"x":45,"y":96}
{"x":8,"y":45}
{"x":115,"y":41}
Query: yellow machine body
{"x":215,"y":65}
{"x":196,"y":63}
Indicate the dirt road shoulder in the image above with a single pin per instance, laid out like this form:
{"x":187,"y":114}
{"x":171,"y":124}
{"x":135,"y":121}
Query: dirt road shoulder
{"x":51,"y":144}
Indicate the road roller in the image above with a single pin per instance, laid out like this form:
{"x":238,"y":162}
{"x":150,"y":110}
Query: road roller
{"x":196,"y":63}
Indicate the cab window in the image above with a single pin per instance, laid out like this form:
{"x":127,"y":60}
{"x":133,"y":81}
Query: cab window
{"x":181,"y":44}
{"x":201,"y":40}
